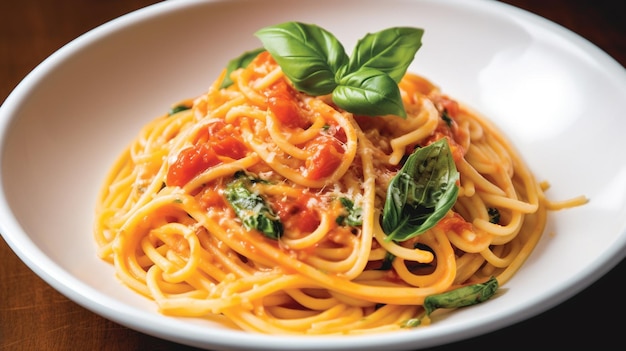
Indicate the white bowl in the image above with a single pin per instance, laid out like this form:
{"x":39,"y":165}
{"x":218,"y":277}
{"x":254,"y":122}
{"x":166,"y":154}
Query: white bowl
{"x":558,"y":98}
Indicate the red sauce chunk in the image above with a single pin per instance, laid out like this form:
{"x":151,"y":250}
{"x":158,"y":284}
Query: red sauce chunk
{"x":190,"y":162}
{"x":214,"y":145}
{"x":282,"y":102}
{"x":297,"y":214}
{"x":454,"y":223}
{"x":328,"y":152}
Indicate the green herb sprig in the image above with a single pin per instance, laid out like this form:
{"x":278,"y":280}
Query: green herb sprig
{"x":365,"y":83}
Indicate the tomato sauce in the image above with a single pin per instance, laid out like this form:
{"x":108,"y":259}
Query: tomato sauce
{"x":296,"y":214}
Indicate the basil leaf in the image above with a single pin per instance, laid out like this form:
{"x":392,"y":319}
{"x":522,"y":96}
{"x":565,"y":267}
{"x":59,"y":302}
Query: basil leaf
{"x":391,"y":51}
{"x":309,"y":55}
{"x":421,"y":193}
{"x":251,"y":208}
{"x":369,"y":92}
{"x":242,"y":61}
{"x":461,"y":297}
{"x":178,"y":108}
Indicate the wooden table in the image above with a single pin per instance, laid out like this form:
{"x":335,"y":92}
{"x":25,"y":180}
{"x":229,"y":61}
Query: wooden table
{"x":33,"y":316}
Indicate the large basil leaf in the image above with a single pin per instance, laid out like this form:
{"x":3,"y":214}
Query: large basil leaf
{"x":391,"y":51}
{"x":369,"y":92}
{"x":421,"y":193}
{"x":309,"y":55}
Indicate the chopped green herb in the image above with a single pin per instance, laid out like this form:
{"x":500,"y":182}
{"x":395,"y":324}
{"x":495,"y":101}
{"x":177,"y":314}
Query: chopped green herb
{"x":251,"y":207}
{"x":353,"y":216}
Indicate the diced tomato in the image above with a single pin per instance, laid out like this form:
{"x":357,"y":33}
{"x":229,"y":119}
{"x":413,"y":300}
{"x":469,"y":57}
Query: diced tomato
{"x":449,"y":105}
{"x":223,"y":142}
{"x":327,"y":157}
{"x":190,"y":162}
{"x":338,"y":132}
{"x":454,"y":223}
{"x":215,"y":130}
{"x":369,"y":123}
{"x":213,"y":142}
{"x":230,"y":147}
{"x":341,"y":135}
{"x":297,"y":215}
{"x":306,"y":220}
{"x":264,"y":58}
{"x":211,"y":198}
{"x":283,"y":104}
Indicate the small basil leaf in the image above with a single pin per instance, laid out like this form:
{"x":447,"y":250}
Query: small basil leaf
{"x":178,"y":108}
{"x":251,"y":208}
{"x":309,"y":55}
{"x":461,"y":297}
{"x":391,"y":51}
{"x":369,"y":92}
{"x":421,"y":193}
{"x":242,"y":61}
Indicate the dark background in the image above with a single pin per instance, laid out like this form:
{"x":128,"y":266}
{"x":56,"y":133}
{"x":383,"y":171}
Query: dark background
{"x":33,"y":316}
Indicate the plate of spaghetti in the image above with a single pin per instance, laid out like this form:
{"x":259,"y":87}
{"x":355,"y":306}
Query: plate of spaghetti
{"x":290,"y":179}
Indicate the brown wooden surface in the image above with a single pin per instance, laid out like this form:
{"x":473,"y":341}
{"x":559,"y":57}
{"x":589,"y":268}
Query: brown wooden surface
{"x":33,"y":316}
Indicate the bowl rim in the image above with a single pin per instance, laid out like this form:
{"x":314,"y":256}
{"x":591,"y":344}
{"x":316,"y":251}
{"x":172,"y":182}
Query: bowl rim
{"x":19,"y":241}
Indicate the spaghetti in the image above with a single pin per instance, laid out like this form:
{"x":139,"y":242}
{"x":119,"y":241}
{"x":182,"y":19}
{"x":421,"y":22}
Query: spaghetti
{"x":309,"y":256}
